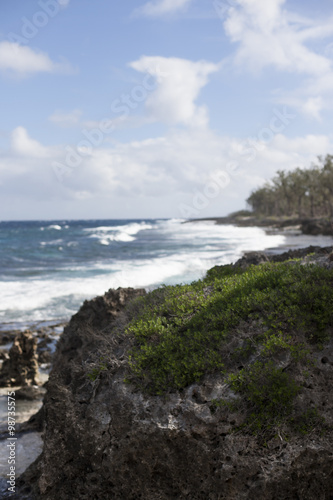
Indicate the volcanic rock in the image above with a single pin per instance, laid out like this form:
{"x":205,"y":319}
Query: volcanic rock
{"x":21,"y":368}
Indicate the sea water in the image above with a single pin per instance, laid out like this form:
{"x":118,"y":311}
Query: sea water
{"x":48,"y":268}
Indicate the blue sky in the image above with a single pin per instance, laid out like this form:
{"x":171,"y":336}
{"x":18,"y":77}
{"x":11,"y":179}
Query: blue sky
{"x":169,"y":108}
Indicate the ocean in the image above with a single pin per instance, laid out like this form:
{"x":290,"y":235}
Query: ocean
{"x":48,"y":268}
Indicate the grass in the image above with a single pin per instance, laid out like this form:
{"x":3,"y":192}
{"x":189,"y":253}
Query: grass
{"x":237,"y":323}
{"x":181,"y":334}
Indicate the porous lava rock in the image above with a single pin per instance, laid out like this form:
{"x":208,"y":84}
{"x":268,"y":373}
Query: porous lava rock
{"x":106,"y":439}
{"x":21,"y":368}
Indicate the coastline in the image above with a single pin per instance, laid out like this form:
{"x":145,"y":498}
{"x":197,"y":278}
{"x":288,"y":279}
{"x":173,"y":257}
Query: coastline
{"x":308,"y":226}
{"x":298,"y":232}
{"x":127,"y":430}
{"x":47,"y":332}
{"x":49,"y":275}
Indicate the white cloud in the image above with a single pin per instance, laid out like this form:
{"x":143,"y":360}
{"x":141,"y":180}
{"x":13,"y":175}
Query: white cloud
{"x":168,"y":170}
{"x":313,"y":106}
{"x":179,"y":82}
{"x":23,"y":145}
{"x":66,"y":119}
{"x":267,"y":35}
{"x":23,"y":61}
{"x":183,"y":161}
{"x":303,"y":147}
{"x":309,"y":107}
{"x":323,"y":85}
{"x":162,"y":7}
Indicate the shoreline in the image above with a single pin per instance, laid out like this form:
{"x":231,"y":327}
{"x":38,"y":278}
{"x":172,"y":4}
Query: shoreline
{"x":295,"y":239}
{"x":299,"y":233}
{"x":29,"y":432}
{"x":195,"y":409}
{"x":316,"y":226}
{"x":165,"y":254}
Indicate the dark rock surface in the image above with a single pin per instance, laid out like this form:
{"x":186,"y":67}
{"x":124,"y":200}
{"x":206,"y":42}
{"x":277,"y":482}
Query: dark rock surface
{"x":30,"y":393}
{"x":312,"y":253}
{"x":21,"y":368}
{"x":104,"y":439}
{"x":45,"y":357}
{"x":252,"y":258}
{"x":7,"y":336}
{"x":317,"y":226}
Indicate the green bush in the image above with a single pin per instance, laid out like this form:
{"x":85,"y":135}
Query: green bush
{"x":182,"y":333}
{"x":269,"y":393}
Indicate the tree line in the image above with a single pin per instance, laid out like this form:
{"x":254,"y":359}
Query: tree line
{"x":301,"y":192}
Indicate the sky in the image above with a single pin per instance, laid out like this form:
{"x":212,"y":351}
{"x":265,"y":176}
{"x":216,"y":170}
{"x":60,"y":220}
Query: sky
{"x":158,"y":109}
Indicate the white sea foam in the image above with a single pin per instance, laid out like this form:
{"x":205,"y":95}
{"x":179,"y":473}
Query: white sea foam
{"x":131,"y":228}
{"x":104,"y":239}
{"x":125,"y":233}
{"x":37,"y":299}
{"x":54,"y":226}
{"x":53,"y":242}
{"x":190,"y":249}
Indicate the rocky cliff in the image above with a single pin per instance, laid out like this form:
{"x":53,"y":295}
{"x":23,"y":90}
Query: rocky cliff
{"x":105,"y":438}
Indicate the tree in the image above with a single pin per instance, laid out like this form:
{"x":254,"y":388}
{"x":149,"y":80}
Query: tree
{"x":307,"y":192}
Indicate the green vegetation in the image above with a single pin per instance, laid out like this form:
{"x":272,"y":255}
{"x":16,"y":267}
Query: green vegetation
{"x":269,"y":393}
{"x":238,"y":323}
{"x":184,"y":334}
{"x":302,"y":192}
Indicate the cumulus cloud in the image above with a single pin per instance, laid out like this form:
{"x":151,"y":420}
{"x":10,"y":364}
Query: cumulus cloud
{"x":313,"y":107}
{"x":163,"y":169}
{"x":268,"y":36}
{"x":303,"y":148}
{"x":24,"y":61}
{"x":184,"y":160}
{"x":23,"y":145}
{"x":179,"y":82}
{"x":159,"y":8}
{"x":309,"y":107}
